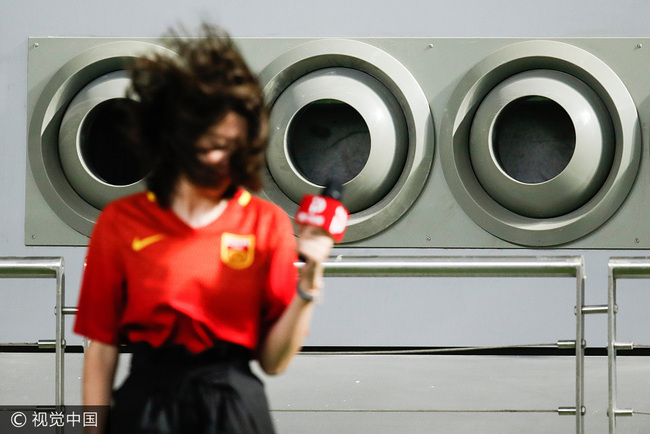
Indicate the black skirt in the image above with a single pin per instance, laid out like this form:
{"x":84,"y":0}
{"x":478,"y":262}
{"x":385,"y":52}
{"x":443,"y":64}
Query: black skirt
{"x":171,"y":391}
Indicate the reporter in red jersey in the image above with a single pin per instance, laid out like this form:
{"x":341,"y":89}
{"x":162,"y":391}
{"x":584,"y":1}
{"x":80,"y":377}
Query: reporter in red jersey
{"x":196,"y":274}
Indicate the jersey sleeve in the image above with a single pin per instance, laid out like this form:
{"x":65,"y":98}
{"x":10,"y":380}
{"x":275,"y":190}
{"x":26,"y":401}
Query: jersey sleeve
{"x":283,"y":276}
{"x":101,"y":299}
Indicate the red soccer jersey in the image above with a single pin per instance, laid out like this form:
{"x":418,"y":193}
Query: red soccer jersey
{"x":151,"y":277}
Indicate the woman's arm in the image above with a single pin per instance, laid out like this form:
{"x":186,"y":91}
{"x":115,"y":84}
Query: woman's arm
{"x":100,"y":363}
{"x":286,"y":336}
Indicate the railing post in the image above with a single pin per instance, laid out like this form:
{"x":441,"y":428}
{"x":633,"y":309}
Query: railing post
{"x":611,"y":351}
{"x":580,"y":349}
{"x":59,"y":350}
{"x":619,"y":268}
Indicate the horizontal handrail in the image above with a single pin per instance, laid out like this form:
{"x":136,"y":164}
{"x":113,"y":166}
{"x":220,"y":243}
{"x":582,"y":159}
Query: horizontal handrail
{"x":629,"y":268}
{"x":36,"y":267}
{"x":450,"y":266}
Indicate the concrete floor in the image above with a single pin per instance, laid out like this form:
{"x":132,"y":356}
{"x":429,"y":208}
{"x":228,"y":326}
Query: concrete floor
{"x":401,"y":394}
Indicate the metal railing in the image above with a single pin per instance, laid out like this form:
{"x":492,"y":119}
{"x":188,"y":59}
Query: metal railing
{"x":380,"y":266}
{"x":619,"y":268}
{"x":44,"y":267}
{"x":422,"y":266}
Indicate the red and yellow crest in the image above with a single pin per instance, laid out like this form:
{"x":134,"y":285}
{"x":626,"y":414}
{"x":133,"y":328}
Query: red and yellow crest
{"x":237,"y":251}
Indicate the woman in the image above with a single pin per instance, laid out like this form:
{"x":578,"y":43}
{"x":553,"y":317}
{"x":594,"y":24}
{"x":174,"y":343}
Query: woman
{"x":196,"y":274}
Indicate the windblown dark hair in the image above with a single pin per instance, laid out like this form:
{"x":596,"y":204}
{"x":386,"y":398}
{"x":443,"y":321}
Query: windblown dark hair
{"x":181,"y":95}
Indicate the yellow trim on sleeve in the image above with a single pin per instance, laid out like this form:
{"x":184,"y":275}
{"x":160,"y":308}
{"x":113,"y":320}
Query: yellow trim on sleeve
{"x":244,"y":198}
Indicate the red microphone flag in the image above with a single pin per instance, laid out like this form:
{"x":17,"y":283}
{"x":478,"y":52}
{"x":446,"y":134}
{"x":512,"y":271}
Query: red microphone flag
{"x":324,"y":212}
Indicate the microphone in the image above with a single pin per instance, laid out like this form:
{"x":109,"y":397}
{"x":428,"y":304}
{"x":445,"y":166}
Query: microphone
{"x":325,"y":211}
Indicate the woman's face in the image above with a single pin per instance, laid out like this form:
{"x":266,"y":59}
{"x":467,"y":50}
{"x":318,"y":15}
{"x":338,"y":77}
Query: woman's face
{"x":214,"y":148}
{"x":218,"y":142}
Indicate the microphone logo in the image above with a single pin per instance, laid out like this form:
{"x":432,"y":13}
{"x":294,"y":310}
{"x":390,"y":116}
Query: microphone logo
{"x":339,"y":221}
{"x":317,"y":205}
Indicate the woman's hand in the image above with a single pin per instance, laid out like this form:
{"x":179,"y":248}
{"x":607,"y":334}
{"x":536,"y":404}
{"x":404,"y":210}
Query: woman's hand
{"x":314,"y":244}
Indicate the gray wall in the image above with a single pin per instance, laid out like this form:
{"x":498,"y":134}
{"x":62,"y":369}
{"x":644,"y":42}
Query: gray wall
{"x":355,"y":313}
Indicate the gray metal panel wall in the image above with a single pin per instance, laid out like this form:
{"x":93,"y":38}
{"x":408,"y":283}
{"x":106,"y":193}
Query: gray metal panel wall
{"x":26,"y":313}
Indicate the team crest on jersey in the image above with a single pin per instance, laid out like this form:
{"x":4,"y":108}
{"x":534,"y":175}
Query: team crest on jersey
{"x":237,"y":251}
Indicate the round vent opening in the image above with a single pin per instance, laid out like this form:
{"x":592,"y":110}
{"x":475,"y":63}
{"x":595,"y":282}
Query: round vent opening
{"x":328,"y":139}
{"x":533,"y":139}
{"x":103,"y":148}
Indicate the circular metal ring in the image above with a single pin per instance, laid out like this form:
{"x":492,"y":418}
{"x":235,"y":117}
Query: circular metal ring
{"x":419,"y":145}
{"x":590,"y":161}
{"x":88,"y":184}
{"x":455,"y":149}
{"x":45,"y":123}
{"x":382,"y":116}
